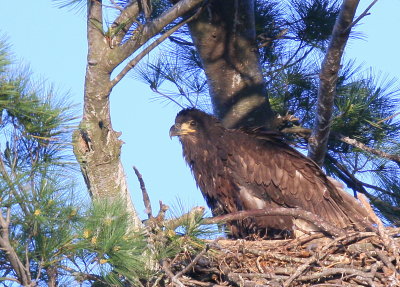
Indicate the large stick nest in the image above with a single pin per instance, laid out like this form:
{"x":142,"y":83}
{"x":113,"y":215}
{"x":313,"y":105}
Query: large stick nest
{"x":355,"y":259}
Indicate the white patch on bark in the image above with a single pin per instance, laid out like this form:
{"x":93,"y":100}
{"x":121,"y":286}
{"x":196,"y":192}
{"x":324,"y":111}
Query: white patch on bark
{"x":121,"y":178}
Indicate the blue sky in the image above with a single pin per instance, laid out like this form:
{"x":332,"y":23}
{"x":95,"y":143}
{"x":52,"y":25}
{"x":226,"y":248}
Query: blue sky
{"x":53,"y":42}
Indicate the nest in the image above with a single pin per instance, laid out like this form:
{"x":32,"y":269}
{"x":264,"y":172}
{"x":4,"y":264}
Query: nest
{"x":354,"y":259}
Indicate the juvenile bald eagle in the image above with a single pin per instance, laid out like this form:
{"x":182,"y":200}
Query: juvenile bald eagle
{"x":237,"y":171}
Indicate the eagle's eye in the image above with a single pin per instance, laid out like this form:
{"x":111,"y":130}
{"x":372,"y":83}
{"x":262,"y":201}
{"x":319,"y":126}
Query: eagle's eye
{"x":192,"y":123}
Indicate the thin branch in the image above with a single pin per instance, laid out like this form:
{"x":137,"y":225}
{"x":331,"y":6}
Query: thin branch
{"x":152,"y":28}
{"x":127,"y":18}
{"x":11,"y":255}
{"x":388,"y":118}
{"x":167,"y":97}
{"x":333,"y":271}
{"x":350,"y":141}
{"x":295,"y":212}
{"x":116,"y":6}
{"x":318,"y":141}
{"x":168,"y":271}
{"x":191,"y":264}
{"x":363,"y":14}
{"x":132,"y":63}
{"x":146,"y":198}
{"x":360,"y":145}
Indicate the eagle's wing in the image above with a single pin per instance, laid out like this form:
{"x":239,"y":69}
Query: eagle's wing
{"x":269,"y":171}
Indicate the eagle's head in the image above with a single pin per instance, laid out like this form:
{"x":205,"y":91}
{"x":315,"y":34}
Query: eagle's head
{"x":191,"y":123}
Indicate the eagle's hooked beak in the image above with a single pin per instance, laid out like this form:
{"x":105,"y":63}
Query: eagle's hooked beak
{"x":180,"y":130}
{"x":173,"y":132}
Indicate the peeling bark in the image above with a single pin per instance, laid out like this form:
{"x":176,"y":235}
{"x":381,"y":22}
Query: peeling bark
{"x":224,"y":36}
{"x":328,"y":77}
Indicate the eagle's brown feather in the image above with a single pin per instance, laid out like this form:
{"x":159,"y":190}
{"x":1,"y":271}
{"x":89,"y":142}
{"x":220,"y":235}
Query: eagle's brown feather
{"x":237,"y":171}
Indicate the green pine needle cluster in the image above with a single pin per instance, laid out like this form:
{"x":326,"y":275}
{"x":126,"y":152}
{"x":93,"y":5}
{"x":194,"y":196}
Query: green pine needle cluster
{"x":116,"y":250}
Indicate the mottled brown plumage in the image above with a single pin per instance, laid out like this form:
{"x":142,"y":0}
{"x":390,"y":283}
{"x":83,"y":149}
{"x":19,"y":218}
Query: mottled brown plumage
{"x":237,"y":171}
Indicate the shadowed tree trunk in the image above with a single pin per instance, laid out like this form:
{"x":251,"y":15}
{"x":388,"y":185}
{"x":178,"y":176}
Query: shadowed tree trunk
{"x":224,"y":36}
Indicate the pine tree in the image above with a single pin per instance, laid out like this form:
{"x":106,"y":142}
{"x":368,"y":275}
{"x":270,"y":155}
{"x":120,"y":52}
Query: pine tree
{"x":50,"y":234}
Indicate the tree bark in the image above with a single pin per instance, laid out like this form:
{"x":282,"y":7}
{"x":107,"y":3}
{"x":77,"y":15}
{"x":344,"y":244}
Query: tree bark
{"x":96,"y":145}
{"x":224,"y":36}
{"x":318,"y":142}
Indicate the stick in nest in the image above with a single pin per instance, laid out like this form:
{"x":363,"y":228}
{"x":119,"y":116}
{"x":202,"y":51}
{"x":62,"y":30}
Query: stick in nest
{"x":146,"y":198}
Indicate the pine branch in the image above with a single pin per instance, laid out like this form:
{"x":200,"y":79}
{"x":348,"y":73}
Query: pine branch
{"x":318,"y":141}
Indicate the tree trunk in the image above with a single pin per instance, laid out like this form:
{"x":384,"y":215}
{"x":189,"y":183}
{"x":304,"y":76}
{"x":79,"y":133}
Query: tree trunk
{"x":96,"y":144}
{"x":224,"y":36}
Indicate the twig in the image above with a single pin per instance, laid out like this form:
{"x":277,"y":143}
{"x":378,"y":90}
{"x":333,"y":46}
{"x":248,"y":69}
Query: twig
{"x":146,"y":198}
{"x":363,"y":14}
{"x":169,"y":273}
{"x":320,"y":255}
{"x":161,"y":213}
{"x":333,"y":271}
{"x":387,"y":241}
{"x":191,"y":264}
{"x":193,"y":282}
{"x":295,"y":212}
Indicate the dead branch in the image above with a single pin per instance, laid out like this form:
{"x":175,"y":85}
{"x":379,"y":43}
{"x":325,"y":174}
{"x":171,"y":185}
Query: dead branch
{"x":307,"y":132}
{"x":366,"y":148}
{"x":386,"y":239}
{"x":295,"y":212}
{"x":174,"y":223}
{"x":193,"y":262}
{"x":362,"y":15}
{"x":167,"y":270}
{"x":286,"y":263}
{"x":146,"y":198}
